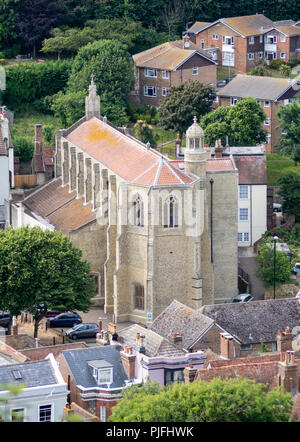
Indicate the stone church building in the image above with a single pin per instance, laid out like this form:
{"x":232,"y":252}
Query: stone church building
{"x":153,"y":229}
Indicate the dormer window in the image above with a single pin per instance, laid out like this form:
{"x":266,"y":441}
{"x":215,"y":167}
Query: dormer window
{"x":102,"y":371}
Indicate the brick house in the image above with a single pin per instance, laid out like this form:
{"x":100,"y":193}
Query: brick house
{"x":167,"y":65}
{"x":269,"y":92}
{"x":231,"y":330}
{"x":243,"y":42}
{"x":95,"y":377}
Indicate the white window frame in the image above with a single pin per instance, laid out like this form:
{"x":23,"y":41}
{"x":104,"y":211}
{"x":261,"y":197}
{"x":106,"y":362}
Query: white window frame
{"x":261,"y":39}
{"x":265,"y":103}
{"x":246,"y":237}
{"x":202,"y":44}
{"x":243,"y":214}
{"x":51,"y":415}
{"x":215,"y":37}
{"x":195,"y":70}
{"x":282,"y":55}
{"x":148,"y":72}
{"x":109,"y":375}
{"x":240,"y":237}
{"x":164,"y":91}
{"x":282,"y":39}
{"x":250,"y":55}
{"x":229,"y":38}
{"x":233,"y":101}
{"x":146,"y":89}
{"x":267,"y":122}
{"x":251,"y":40}
{"x":16,"y":409}
{"x":165,"y":75}
{"x":102,"y":413}
{"x":261,"y":54}
{"x":269,"y":136}
{"x":243,"y":192}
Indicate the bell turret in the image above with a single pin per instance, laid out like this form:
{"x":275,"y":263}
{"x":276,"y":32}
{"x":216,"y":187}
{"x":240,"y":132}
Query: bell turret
{"x":195,"y":155}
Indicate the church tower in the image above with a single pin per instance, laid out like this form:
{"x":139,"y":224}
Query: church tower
{"x":195,"y":155}
{"x":92,"y":102}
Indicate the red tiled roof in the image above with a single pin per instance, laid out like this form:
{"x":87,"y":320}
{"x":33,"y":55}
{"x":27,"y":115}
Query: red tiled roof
{"x":219,"y":164}
{"x":60,"y":207}
{"x":124,"y":156}
{"x":252,"y":170}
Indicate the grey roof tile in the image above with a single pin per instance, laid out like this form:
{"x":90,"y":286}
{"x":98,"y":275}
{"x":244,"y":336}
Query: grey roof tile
{"x":33,"y":374}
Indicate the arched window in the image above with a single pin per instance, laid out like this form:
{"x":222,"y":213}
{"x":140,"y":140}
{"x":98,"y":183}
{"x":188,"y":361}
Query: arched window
{"x":171,"y":212}
{"x":139,"y":297}
{"x":138,"y":211}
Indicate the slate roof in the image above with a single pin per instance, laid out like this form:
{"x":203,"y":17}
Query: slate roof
{"x":198,"y":26}
{"x":260,"y":320}
{"x":154,"y":344}
{"x":178,"y":318}
{"x":252,"y":170}
{"x":261,"y":88}
{"x":125,"y":156}
{"x":168,"y":56}
{"x":78,"y":359}
{"x":33,"y":374}
{"x":59,"y":206}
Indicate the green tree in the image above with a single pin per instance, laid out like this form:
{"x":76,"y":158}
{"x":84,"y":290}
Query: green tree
{"x":12,"y":392}
{"x":38,"y":267}
{"x":68,"y":107}
{"x":183,"y":102}
{"x":242,"y":124}
{"x":23,"y":148}
{"x":265,"y":259}
{"x":290,"y":192}
{"x":289,"y":122}
{"x":144,"y":132}
{"x":232,"y":400}
{"x":285,"y":69}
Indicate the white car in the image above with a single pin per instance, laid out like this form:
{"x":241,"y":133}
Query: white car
{"x":243,"y":297}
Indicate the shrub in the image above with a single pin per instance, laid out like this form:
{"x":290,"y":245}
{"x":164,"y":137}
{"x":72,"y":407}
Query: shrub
{"x":49,"y":134}
{"x":276,"y":64}
{"x":292,"y":63}
{"x":23,"y":148}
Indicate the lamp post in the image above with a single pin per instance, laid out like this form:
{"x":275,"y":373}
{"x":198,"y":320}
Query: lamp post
{"x":274,"y":282}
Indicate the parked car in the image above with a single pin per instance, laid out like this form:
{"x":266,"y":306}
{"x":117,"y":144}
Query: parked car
{"x":221,"y":83}
{"x":83,"y":331}
{"x":5,"y":319}
{"x":296,"y":268}
{"x":65,"y":320}
{"x":276,"y":207}
{"x":243,"y":297}
{"x":51,"y":314}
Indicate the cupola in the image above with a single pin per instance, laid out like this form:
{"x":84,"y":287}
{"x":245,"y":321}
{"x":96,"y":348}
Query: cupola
{"x":195,"y":137}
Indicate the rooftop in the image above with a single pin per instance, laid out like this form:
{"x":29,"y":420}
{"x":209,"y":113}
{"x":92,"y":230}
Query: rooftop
{"x":168,"y":56}
{"x":32,"y":374}
{"x":252,"y":169}
{"x":261,"y":88}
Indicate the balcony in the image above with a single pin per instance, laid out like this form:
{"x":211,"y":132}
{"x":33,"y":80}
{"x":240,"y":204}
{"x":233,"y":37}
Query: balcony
{"x":270,"y":47}
{"x":227,"y":48}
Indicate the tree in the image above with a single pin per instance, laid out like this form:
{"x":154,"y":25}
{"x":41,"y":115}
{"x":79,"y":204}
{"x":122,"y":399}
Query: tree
{"x":37,"y":18}
{"x":285,"y":69}
{"x":184,"y":102}
{"x":289,"y":122}
{"x":13,"y":391}
{"x":68,"y":107}
{"x":42,"y":268}
{"x":232,"y":400}
{"x":144,"y":132}
{"x":23,"y":148}
{"x":265,"y":259}
{"x":290,"y":192}
{"x":242,"y":124}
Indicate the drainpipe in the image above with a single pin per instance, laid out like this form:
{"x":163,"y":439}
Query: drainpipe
{"x":211,"y":220}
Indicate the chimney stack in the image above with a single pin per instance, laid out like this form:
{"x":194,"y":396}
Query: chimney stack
{"x":186,"y":41}
{"x":284,"y":340}
{"x":189,"y":374}
{"x":218,"y":149}
{"x":288,"y":372}
{"x":227,"y":347}
{"x":128,"y":361}
{"x":38,"y":139}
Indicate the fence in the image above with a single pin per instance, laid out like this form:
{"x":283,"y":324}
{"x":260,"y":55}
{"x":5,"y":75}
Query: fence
{"x":25,"y":180}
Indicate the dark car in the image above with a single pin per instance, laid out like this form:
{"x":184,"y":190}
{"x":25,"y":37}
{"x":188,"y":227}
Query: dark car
{"x":65,"y":320}
{"x":5,"y":319}
{"x":83,"y":331}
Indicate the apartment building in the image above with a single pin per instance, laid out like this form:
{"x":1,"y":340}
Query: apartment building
{"x":244,"y":42}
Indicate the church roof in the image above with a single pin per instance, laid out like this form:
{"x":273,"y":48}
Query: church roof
{"x":59,"y":206}
{"x":125,"y":156}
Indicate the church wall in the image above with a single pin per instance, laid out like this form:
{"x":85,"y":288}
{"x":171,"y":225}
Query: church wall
{"x":225,"y":229}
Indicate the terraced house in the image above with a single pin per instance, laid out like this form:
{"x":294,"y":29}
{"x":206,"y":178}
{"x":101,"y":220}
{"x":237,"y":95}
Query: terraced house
{"x":170,"y":64}
{"x":243,"y":42}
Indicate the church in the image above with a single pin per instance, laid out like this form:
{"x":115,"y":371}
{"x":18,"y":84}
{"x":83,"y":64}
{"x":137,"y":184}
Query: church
{"x":153,"y":229}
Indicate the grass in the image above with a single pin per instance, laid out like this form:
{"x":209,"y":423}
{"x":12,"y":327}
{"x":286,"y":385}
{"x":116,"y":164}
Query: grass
{"x":24,"y":123}
{"x":224,"y":72}
{"x":277,"y":166}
